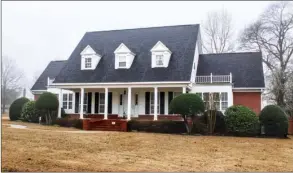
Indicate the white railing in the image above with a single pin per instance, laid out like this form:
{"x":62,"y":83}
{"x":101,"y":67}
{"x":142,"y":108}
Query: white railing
{"x":214,"y":79}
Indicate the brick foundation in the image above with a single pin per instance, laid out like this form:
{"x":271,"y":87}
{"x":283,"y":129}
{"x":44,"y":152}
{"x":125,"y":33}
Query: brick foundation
{"x":161,"y":117}
{"x":290,"y":129}
{"x":105,"y":125}
{"x":249,"y":99}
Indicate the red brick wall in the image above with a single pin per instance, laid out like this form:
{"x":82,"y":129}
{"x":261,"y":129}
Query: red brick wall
{"x":36,"y":96}
{"x":249,"y":99}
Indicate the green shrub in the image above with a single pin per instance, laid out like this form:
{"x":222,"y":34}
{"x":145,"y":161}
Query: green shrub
{"x":220,"y":126}
{"x":187,"y":105}
{"x":48,"y":104}
{"x":29,"y":112}
{"x":274,"y":120}
{"x":16,"y":108}
{"x":69,"y":122}
{"x":241,"y":121}
{"x":162,"y":126}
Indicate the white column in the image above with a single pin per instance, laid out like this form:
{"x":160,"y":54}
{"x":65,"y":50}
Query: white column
{"x":106,"y":104}
{"x":81,"y":103}
{"x":93,"y":103}
{"x":156,"y":104}
{"x":183,"y":90}
{"x":166,"y":103}
{"x":60,"y":103}
{"x":129,"y":104}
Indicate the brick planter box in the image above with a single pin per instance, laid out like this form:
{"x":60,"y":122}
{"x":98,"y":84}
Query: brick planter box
{"x":104,"y":125}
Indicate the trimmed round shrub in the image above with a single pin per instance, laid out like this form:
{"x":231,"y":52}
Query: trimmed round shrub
{"x":29,"y":112}
{"x":187,"y":104}
{"x":16,"y":108}
{"x":47,"y":101}
{"x":220,"y":126}
{"x":274,"y":120}
{"x":241,"y":121}
{"x":48,"y":104}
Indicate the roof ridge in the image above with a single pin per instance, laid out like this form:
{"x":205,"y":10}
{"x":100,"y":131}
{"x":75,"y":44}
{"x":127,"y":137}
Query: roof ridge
{"x":143,"y":28}
{"x":229,"y":53}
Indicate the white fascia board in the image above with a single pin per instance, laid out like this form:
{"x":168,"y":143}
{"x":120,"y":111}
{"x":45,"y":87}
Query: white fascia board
{"x":122,"y":83}
{"x":252,"y":88}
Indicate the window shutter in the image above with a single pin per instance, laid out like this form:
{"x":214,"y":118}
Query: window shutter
{"x":110,"y":103}
{"x":147,"y":102}
{"x":89,"y":102}
{"x":170,"y":97}
{"x":76,"y":102}
{"x":162,"y":102}
{"x":97,"y":102}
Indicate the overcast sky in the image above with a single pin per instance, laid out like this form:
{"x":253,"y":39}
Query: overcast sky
{"x":35,"y":33}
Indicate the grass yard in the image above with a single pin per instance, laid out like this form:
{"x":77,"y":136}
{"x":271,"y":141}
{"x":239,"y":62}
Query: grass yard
{"x":65,"y":149}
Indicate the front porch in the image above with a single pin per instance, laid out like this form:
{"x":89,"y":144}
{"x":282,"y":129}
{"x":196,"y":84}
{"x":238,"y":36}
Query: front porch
{"x":143,"y":102}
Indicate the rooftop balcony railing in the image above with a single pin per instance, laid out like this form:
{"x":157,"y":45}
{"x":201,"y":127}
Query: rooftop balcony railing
{"x":214,"y":79}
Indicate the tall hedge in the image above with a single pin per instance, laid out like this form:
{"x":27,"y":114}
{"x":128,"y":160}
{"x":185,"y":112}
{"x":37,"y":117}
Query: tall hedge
{"x":16,"y":108}
{"x":241,"y":121}
{"x":274,"y":120}
{"x":29,"y":112}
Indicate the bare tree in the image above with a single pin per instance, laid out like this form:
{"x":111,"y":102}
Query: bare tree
{"x":217,"y":32}
{"x":11,"y":77}
{"x":272,"y":34}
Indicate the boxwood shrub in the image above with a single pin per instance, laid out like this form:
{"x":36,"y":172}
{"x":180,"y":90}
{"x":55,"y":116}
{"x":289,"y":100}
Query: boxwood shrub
{"x":16,"y":108}
{"x":274,"y":120}
{"x":29,"y":112}
{"x":162,"y":126}
{"x":241,"y":121}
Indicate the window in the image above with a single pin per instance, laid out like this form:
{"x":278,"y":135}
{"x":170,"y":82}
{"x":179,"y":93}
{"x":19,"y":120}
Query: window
{"x":67,"y":101}
{"x":102,"y":103}
{"x":122,"y":61}
{"x":224,"y":101}
{"x":152,"y":103}
{"x":159,"y":60}
{"x":88,"y":62}
{"x":220,"y":99}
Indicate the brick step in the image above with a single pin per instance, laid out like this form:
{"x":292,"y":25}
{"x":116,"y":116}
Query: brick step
{"x":105,"y":129}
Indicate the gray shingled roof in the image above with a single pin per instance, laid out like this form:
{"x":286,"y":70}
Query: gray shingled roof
{"x":246,"y":67}
{"x":181,"y":41}
{"x":51,"y":71}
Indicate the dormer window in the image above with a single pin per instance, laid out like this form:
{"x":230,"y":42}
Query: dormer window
{"x":89,"y":58}
{"x":123,"y":57}
{"x":159,"y":60}
{"x":88,"y":62}
{"x":122,"y":61}
{"x":160,"y":55}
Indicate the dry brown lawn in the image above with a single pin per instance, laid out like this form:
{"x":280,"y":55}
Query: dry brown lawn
{"x":64,"y":149}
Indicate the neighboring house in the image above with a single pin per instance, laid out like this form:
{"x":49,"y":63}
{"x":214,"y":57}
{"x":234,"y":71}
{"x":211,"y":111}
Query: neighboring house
{"x":137,"y":72}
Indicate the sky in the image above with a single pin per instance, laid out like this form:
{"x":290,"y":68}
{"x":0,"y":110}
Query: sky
{"x":35,"y":33}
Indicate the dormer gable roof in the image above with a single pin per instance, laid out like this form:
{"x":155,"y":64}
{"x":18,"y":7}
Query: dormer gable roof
{"x":122,"y":48}
{"x":88,"y":50}
{"x":160,"y":47}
